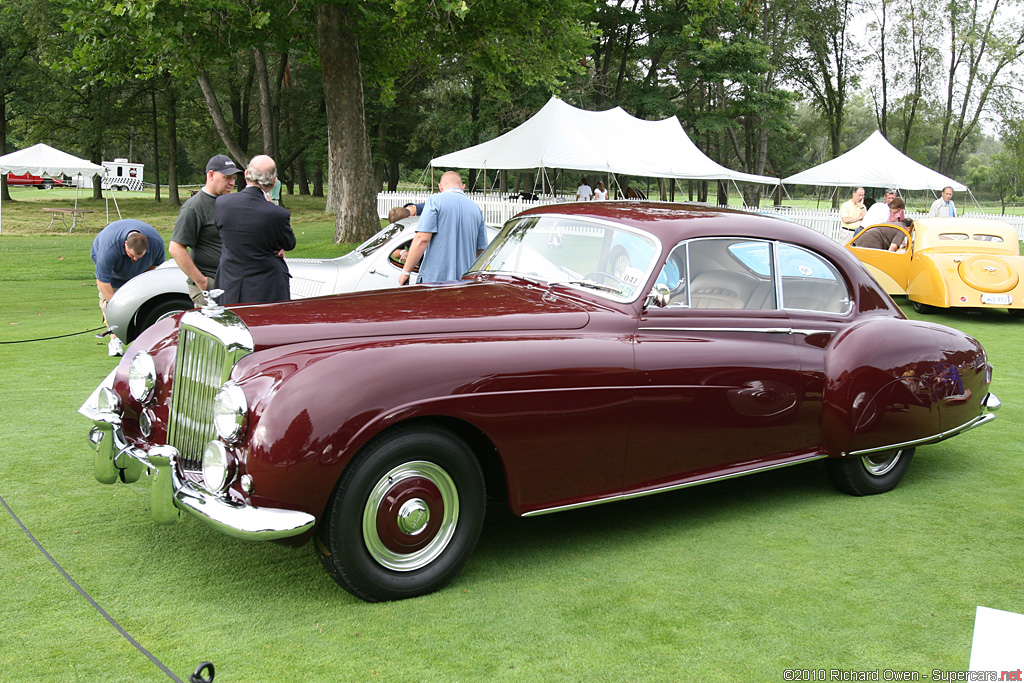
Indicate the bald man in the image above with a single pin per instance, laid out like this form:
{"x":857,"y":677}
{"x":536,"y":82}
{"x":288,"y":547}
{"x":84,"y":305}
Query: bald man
{"x":449,"y":236}
{"x":254,"y":234}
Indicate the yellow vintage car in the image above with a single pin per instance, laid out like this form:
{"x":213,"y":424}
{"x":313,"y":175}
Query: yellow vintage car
{"x":947,"y":262}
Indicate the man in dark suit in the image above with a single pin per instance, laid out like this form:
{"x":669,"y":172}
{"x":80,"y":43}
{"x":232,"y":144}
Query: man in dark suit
{"x":254,"y":233}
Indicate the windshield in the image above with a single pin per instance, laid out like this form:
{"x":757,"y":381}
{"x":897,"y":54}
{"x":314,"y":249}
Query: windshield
{"x":380,"y":239}
{"x":609,"y":259}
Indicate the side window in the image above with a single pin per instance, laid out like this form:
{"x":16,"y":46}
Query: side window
{"x":810,"y":283}
{"x":722,"y":274}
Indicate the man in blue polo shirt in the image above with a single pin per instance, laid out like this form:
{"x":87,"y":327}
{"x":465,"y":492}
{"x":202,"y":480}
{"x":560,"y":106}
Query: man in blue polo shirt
{"x":450,"y":235}
{"x":121,"y":251}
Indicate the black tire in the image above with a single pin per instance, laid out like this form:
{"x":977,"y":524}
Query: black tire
{"x":405,"y":516}
{"x":153,"y":311}
{"x":923,"y":309}
{"x":47,"y":185}
{"x":1016,"y":312}
{"x":870,"y":474}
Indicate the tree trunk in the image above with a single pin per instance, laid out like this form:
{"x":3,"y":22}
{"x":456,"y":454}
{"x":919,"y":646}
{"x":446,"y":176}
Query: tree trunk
{"x":220,"y":123}
{"x":318,"y":181}
{"x":5,"y":194}
{"x":300,"y":176}
{"x":267,"y":122}
{"x":350,"y":172}
{"x":156,"y":147}
{"x":172,"y":147}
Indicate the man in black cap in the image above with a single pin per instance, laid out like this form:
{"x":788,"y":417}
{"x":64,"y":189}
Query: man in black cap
{"x":196,"y":229}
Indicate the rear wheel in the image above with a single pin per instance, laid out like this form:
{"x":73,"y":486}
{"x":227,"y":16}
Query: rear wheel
{"x":1016,"y":312}
{"x":870,"y":474}
{"x":921,"y":308}
{"x":405,"y":516}
{"x":47,"y":184}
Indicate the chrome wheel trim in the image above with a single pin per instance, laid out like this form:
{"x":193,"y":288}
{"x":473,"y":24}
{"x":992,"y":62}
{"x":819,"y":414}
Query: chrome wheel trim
{"x":880,"y":464}
{"x":417,"y":506}
{"x":621,"y":263}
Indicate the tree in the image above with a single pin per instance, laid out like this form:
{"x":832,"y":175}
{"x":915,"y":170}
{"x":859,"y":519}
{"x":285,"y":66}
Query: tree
{"x":985,"y":40}
{"x":826,"y":63}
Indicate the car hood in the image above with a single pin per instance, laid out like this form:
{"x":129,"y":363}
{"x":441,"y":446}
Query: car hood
{"x":455,"y":308}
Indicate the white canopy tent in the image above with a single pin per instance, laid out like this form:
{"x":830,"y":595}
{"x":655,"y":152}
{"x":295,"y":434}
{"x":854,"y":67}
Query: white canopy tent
{"x":612,"y":141}
{"x":874,"y":163}
{"x":43,"y":160}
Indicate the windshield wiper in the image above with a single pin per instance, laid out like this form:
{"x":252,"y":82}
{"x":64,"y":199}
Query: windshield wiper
{"x":588,"y":284}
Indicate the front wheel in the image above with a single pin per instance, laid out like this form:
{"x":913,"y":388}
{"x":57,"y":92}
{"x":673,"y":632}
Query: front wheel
{"x":47,"y":184}
{"x":870,"y":474}
{"x":151,"y":312}
{"x":405,"y":516}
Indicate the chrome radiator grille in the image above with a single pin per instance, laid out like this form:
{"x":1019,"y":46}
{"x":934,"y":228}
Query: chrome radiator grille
{"x":207,"y":351}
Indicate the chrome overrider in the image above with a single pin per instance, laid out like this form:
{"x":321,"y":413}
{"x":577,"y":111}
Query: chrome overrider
{"x":171,"y":494}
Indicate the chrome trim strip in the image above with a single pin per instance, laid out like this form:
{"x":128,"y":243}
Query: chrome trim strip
{"x":970,"y":424}
{"x":767,"y":330}
{"x":671,"y":487}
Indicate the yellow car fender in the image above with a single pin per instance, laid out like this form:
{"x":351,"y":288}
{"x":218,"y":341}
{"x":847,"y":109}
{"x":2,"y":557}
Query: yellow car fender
{"x":928,"y":279}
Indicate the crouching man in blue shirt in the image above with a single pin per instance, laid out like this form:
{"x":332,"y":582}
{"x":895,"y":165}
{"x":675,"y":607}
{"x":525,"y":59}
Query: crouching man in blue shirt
{"x":121,"y":251}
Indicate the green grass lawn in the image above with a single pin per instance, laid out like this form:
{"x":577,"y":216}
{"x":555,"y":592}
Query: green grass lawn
{"x":732,"y":581}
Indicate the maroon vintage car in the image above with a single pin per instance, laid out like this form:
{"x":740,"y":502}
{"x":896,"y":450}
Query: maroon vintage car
{"x":596,"y":352}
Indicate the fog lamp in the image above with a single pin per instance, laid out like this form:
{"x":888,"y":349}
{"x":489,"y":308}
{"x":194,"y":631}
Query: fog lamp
{"x":218,"y":467}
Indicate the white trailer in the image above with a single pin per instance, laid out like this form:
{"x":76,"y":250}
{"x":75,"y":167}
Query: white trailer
{"x":121,"y":174}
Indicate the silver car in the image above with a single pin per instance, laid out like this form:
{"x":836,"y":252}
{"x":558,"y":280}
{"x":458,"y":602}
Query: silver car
{"x":372,"y":265}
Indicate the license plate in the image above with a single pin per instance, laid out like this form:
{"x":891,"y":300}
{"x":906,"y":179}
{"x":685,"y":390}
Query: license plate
{"x":997,"y":299}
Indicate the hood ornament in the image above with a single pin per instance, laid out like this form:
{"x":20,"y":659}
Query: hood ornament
{"x":210,"y":307}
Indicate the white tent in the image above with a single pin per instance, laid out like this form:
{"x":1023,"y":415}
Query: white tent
{"x":612,"y":141}
{"x":45,"y":160}
{"x":874,"y":163}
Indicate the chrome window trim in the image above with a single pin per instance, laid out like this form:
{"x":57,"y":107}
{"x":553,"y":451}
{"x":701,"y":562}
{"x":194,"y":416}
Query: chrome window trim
{"x":766,"y":330}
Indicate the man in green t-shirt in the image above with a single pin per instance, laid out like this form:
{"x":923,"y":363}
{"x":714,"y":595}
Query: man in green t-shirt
{"x":196,"y":229}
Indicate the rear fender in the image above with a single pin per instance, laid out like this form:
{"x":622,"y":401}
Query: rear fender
{"x":877,"y":392}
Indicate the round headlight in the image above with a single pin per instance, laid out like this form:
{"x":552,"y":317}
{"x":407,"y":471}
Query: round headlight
{"x":142,"y":377}
{"x":230,"y":410}
{"x":218,"y":467}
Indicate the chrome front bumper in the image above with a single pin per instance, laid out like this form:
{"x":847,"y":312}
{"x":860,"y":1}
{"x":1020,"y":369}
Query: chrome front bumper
{"x":171,"y":494}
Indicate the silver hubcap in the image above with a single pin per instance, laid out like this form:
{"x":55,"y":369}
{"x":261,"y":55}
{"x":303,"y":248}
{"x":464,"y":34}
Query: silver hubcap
{"x":410,"y":516}
{"x":882,"y":463}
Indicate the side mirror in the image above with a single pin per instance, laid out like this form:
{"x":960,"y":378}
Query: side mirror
{"x":658,"y":297}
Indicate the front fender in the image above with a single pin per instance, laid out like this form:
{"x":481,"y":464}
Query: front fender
{"x":135,"y":294}
{"x":315,"y":405}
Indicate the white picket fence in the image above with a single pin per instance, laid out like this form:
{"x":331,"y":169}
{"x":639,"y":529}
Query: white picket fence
{"x":499,"y":208}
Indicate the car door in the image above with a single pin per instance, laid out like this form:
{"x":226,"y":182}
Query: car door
{"x":891,"y":269}
{"x":719,"y":385}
